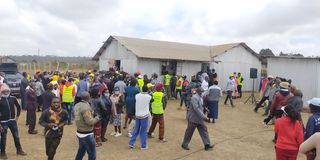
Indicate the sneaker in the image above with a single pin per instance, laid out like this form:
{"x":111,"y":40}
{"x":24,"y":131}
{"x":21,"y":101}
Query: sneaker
{"x":144,"y":148}
{"x":150,"y":136}
{"x":163,"y":140}
{"x":131,"y":147}
{"x":3,"y":156}
{"x":33,"y":132}
{"x":118,"y":134}
{"x":21,"y":153}
{"x":113,"y":133}
{"x":129,"y":135}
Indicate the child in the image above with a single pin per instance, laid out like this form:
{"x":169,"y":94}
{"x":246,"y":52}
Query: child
{"x":289,"y":134}
{"x":117,"y":109}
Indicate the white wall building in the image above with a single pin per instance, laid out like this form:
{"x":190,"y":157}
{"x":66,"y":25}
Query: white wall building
{"x":150,"y":56}
{"x":304,"y":73}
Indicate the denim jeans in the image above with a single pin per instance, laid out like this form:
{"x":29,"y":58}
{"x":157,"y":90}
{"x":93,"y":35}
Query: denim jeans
{"x":69,"y":108}
{"x":87,"y":144}
{"x":12,"y":125}
{"x":142,"y":127}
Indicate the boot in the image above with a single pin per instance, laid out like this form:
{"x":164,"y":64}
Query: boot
{"x":103,"y":132}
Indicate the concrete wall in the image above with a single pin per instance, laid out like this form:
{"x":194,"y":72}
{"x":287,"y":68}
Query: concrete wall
{"x":237,"y":59}
{"x":190,"y":68}
{"x":116,"y":51}
{"x":305,"y":74}
{"x":149,"y":66}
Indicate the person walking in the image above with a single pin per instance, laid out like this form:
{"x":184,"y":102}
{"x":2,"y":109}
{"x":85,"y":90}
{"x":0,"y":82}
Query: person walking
{"x":214,"y":93}
{"x":68,"y":96}
{"x":130,"y":92}
{"x":142,"y":114}
{"x":230,"y":88}
{"x":10,"y":111}
{"x":84,"y":121}
{"x":196,"y":119}
{"x":53,"y":120}
{"x":265,"y":93}
{"x":32,"y":104}
{"x":47,"y":97}
{"x":157,"y":109}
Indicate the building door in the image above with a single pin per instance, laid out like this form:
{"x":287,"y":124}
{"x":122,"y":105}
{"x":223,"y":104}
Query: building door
{"x":205,"y":67}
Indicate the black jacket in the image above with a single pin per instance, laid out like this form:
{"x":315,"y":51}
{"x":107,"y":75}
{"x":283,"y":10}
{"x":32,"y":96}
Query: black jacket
{"x":9,"y":108}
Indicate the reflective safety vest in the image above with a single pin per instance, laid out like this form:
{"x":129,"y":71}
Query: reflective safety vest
{"x":67,"y":94}
{"x":179,"y":84}
{"x":167,"y":80}
{"x":157,"y":105}
{"x":140,"y":83}
{"x":240,"y":80}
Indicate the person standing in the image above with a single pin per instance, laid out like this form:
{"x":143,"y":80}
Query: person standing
{"x":120,"y":84}
{"x":173,"y":82}
{"x":105,"y":117}
{"x":39,"y":91}
{"x":82,"y":86}
{"x":157,"y":109}
{"x":32,"y":104}
{"x":142,"y":114}
{"x":24,"y":84}
{"x":84,"y":121}
{"x":53,"y":121}
{"x":68,"y":96}
{"x":10,"y":111}
{"x":205,"y":83}
{"x":230,"y":88}
{"x":184,"y":94}
{"x":289,"y":134}
{"x":240,"y":84}
{"x":47,"y":97}
{"x":167,"y":78}
{"x":179,"y":85}
{"x":117,"y":100}
{"x":313,"y":124}
{"x":214,"y":93}
{"x":130,"y":92}
{"x":196,"y":119}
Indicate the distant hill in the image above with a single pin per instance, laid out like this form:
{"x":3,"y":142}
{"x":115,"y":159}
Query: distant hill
{"x":51,"y":58}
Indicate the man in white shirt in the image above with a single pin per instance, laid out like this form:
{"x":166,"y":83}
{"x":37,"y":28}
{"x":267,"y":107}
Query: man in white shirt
{"x":142,"y":113}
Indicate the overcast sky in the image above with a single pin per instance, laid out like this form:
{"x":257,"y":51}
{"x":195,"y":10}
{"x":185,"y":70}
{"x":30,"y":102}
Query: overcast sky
{"x":79,"y":27}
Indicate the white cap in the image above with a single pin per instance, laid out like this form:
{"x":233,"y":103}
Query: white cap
{"x":314,"y":101}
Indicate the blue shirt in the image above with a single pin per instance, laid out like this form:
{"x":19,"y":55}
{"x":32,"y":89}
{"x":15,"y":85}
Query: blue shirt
{"x":81,"y":87}
{"x":313,"y":125}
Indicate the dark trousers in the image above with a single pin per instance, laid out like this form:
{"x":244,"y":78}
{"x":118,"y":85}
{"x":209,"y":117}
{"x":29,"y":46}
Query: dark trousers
{"x":183,"y":99}
{"x":86,"y":144}
{"x":12,"y":125}
{"x":202,"y":129}
{"x":51,"y":146}
{"x":31,"y":117}
{"x":39,"y":100}
{"x":69,"y":108}
{"x":239,"y":88}
{"x":229,"y":96}
{"x":176,"y":94}
{"x":23,"y":100}
{"x":157,"y":119}
{"x":262,"y":101}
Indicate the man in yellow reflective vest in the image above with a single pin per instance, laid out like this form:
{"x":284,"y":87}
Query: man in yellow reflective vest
{"x":157,"y":109}
{"x":140,"y":81}
{"x":240,"y":84}
{"x":68,"y":96}
{"x":167,"y":79}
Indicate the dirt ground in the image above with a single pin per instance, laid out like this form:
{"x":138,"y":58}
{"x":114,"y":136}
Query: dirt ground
{"x":238,"y":135}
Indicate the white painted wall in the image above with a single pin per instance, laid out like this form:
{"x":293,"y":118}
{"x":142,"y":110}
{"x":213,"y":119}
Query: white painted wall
{"x":305,"y":74}
{"x":149,"y":66}
{"x":190,"y":68}
{"x":116,"y":51}
{"x":237,"y":59}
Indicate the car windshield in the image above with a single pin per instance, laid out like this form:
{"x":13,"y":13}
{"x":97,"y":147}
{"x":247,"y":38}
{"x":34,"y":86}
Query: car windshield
{"x":14,"y":76}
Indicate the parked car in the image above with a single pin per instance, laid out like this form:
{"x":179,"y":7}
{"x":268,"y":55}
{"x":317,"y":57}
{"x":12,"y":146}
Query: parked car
{"x":14,"y":80}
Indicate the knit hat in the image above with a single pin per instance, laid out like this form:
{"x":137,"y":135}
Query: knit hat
{"x":4,"y":87}
{"x":158,"y":86}
{"x":314,"y":101}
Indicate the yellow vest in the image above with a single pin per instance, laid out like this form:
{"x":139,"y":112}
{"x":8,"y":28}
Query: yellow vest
{"x":140,"y":83}
{"x":167,"y":80}
{"x":67,"y":94}
{"x":239,"y":79}
{"x":179,"y":84}
{"x":157,"y":105}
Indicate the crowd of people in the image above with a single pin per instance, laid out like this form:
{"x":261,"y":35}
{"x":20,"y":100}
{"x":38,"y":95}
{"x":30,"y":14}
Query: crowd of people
{"x":136,"y":103}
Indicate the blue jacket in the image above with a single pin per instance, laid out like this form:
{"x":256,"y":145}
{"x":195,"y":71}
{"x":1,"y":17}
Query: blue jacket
{"x":81,"y":87}
{"x":313,"y":125}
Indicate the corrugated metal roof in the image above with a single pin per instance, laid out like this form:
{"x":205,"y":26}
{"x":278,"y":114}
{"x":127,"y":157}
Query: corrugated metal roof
{"x":154,"y":49}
